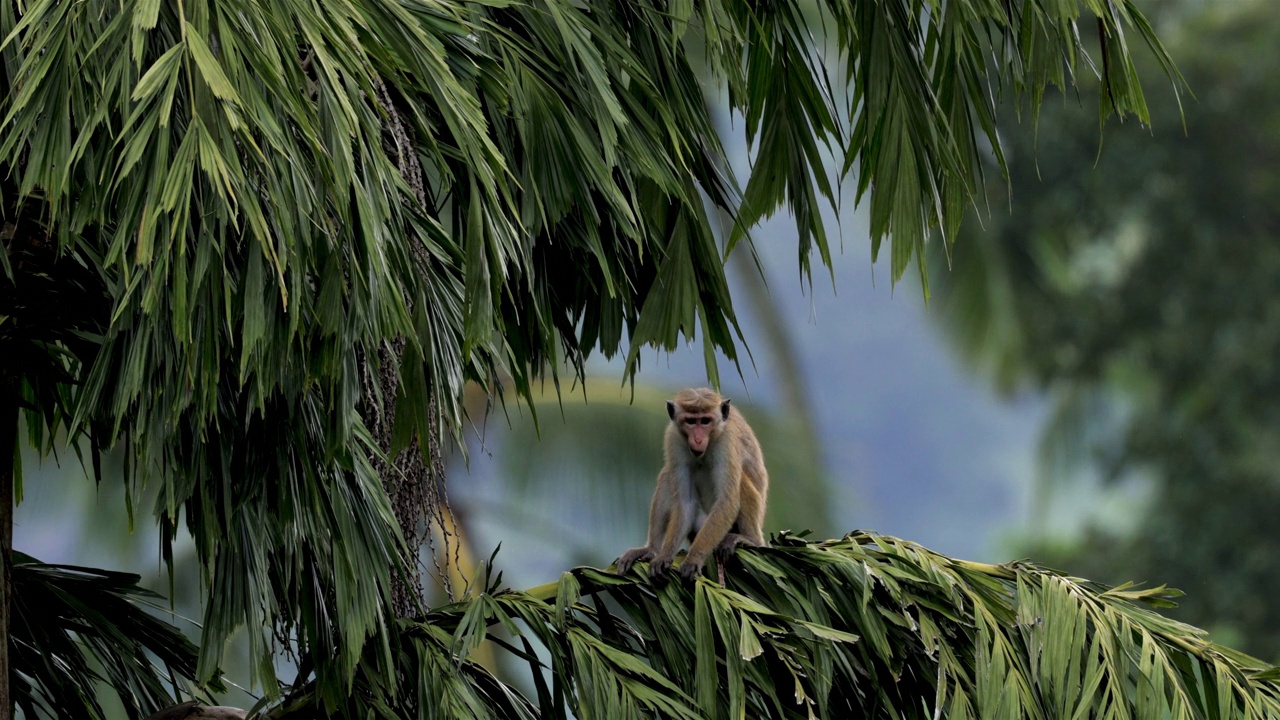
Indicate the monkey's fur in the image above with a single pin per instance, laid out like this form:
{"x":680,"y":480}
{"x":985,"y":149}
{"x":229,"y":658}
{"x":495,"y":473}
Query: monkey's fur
{"x":711,"y":489}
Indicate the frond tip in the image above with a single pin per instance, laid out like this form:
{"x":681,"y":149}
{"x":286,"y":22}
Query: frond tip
{"x":863,"y":626}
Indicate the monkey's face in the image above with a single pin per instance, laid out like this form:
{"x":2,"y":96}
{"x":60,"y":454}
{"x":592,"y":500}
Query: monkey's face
{"x":699,"y":421}
{"x":697,"y":430}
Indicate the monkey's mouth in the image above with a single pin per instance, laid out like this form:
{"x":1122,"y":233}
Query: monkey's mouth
{"x":696,"y":453}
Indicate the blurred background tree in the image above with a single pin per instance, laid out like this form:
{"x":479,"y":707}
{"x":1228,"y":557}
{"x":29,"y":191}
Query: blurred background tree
{"x":1136,"y":281}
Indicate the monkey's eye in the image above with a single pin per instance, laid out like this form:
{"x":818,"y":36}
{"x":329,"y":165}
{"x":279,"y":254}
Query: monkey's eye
{"x":704,"y":421}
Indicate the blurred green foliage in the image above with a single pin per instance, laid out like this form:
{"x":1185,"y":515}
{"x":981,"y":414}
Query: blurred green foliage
{"x":1139,"y":284}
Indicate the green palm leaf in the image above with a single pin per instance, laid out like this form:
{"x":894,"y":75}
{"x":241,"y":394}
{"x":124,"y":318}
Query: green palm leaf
{"x":862,"y":626}
{"x":78,"y":630}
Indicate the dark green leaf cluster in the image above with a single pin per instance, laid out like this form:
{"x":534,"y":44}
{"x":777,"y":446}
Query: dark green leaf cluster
{"x":76,"y":629}
{"x":864,"y":626}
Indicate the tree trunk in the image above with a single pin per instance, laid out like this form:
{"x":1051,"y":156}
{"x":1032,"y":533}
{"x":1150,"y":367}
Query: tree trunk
{"x":8,"y":448}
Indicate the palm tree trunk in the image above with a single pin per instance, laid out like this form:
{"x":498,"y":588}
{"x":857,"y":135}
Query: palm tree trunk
{"x":8,"y":447}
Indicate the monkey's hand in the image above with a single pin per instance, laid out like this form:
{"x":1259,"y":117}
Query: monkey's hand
{"x":659,"y":567}
{"x":691,"y":567}
{"x":728,"y":547}
{"x":633,"y":556}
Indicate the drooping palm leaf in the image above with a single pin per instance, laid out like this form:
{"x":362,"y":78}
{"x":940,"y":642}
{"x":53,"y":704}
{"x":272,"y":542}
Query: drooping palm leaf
{"x":231,"y":169}
{"x":78,"y":630}
{"x":862,"y":626}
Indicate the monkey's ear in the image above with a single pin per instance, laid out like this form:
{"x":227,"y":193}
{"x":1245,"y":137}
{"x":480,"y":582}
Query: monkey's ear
{"x":671,"y":409}
{"x":724,"y":410}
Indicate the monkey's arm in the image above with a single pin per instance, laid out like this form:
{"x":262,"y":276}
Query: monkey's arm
{"x":754,"y":488}
{"x":657,"y":524}
{"x":679,"y":521}
{"x":663,"y":510}
{"x":720,"y":519}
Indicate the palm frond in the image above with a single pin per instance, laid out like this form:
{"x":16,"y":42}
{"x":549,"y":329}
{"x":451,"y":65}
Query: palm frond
{"x":863,"y":626}
{"x":77,"y":631}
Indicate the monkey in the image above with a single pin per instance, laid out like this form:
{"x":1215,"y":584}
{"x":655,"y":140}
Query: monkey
{"x":711,"y":489}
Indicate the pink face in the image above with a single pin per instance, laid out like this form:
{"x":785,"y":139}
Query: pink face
{"x":697,"y":430}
